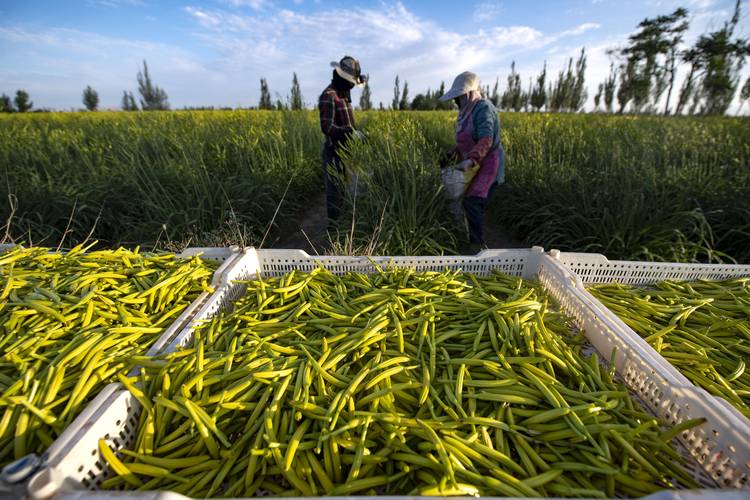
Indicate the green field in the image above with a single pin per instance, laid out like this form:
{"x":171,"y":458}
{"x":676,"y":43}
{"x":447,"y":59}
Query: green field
{"x":629,"y":187}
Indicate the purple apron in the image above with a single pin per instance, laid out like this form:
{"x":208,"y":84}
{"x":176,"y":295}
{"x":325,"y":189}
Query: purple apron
{"x":487,"y":174}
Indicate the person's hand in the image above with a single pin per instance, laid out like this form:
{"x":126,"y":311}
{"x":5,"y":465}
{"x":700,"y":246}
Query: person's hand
{"x":359,"y":135}
{"x":465,"y":165}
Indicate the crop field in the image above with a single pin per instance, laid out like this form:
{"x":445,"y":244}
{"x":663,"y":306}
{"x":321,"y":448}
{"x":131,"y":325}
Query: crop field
{"x":650,"y":188}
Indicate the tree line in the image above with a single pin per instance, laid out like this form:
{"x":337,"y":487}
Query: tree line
{"x":21,"y":103}
{"x":642,"y":79}
{"x":643,"y":73}
{"x":152,"y":97}
{"x":642,"y":76}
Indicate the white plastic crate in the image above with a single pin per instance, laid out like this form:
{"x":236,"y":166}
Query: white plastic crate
{"x":270,"y":263}
{"x":77,"y":463}
{"x":226,"y":258}
{"x":724,"y":450}
{"x":596,"y":268}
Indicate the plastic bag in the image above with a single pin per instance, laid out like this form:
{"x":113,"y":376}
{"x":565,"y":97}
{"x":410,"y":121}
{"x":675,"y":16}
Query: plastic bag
{"x":455,"y":184}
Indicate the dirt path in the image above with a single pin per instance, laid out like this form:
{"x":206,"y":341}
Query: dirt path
{"x":311,"y":221}
{"x":497,"y":236}
{"x":308,"y":230}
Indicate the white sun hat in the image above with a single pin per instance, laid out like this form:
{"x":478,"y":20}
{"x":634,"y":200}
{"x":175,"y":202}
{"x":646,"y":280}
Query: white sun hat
{"x":464,"y":83}
{"x":348,"y":69}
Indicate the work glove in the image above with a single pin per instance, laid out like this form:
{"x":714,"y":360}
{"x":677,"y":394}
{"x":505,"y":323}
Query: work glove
{"x":465,"y":165}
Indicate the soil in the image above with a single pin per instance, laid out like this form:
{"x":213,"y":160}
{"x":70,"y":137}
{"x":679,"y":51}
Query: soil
{"x":308,"y":230}
{"x":497,"y":236}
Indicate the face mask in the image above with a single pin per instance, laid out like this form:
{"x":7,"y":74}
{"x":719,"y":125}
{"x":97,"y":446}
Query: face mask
{"x":341,"y":83}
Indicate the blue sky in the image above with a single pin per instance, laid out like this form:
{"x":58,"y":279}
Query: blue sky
{"x":213,"y":52}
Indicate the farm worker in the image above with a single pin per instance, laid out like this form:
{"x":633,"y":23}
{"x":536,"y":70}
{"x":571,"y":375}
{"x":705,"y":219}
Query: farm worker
{"x":477,"y":144}
{"x":337,"y":123}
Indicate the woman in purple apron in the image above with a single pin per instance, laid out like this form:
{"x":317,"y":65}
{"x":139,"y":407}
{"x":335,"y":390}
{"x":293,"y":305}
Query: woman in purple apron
{"x":477,"y":143}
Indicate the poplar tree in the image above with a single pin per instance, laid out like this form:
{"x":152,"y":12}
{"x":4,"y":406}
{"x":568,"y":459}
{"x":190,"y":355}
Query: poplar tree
{"x":512,"y":97}
{"x":403,"y":103}
{"x":153,"y":98}
{"x":23,"y":104}
{"x":128,"y":101}
{"x":296,"y":102}
{"x":610,"y":85}
{"x":365,"y":99}
{"x":598,"y":96}
{"x":6,"y":105}
{"x":576,"y":94}
{"x":265,"y":96}
{"x":716,"y":60}
{"x":90,"y":98}
{"x":649,"y":61}
{"x":396,"y":95}
{"x":539,"y":94}
{"x":495,"y":95}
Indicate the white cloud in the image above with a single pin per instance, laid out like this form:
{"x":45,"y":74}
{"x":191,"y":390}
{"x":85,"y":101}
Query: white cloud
{"x":205,"y":19}
{"x":236,"y":47}
{"x":581,"y":29}
{"x":116,"y":3}
{"x":691,"y":5}
{"x":65,"y":61}
{"x":388,"y":40}
{"x":701,"y":4}
{"x":253,"y":4}
{"x":486,"y":11}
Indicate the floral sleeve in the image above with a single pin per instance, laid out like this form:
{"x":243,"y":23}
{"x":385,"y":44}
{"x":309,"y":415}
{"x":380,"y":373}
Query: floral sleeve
{"x":484,"y":129}
{"x":480,"y":150}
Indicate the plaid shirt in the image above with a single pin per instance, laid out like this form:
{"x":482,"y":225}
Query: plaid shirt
{"x":336,"y":117}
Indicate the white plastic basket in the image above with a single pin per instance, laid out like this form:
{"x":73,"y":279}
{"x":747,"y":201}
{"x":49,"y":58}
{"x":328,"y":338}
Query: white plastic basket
{"x":723,"y":451}
{"x":226,"y":258}
{"x":596,"y":268}
{"x":77,"y":463}
{"x":270,"y":263}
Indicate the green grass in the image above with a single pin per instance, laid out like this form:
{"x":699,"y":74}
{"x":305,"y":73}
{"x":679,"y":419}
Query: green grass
{"x":629,"y":187}
{"x":149,"y":178}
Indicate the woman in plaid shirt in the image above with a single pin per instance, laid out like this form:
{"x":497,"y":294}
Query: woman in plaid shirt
{"x":337,"y":124}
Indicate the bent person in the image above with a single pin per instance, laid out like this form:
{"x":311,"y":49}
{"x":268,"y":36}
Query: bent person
{"x":477,"y":144}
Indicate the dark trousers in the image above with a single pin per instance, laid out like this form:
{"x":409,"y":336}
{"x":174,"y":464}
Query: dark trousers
{"x":332,"y":167}
{"x":474,"y":208}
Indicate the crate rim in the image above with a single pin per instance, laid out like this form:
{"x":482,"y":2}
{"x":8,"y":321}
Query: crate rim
{"x":228,"y":254}
{"x":622,"y":329}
